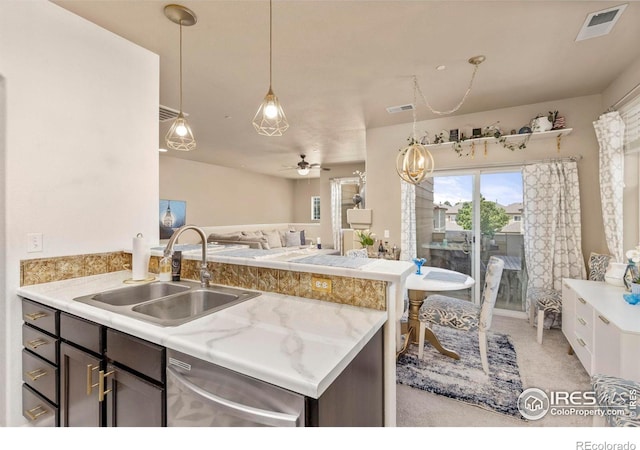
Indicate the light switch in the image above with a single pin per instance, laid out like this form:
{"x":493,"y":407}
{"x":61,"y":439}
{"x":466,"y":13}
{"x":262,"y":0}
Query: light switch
{"x":34,"y":242}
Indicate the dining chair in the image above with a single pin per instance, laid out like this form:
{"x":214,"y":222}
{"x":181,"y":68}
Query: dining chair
{"x":546,"y":300}
{"x":464,"y":315}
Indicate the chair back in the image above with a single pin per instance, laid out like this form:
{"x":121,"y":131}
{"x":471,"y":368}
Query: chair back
{"x":357,"y":253}
{"x":490,"y":291}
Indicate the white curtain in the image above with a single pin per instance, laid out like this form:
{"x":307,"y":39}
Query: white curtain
{"x":610,"y":133}
{"x":408,"y":223}
{"x":551,"y":223}
{"x":336,"y":213}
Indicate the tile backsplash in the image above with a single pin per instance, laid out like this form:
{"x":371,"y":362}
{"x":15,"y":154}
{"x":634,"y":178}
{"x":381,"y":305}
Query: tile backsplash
{"x":345,"y":290}
{"x":44,"y":270}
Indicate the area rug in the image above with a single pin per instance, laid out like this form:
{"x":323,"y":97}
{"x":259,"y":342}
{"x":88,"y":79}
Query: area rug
{"x":463,"y":379}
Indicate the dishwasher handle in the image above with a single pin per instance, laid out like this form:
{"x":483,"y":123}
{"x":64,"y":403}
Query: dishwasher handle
{"x":256,"y":415}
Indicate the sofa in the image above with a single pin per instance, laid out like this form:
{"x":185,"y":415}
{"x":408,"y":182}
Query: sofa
{"x":260,"y":236}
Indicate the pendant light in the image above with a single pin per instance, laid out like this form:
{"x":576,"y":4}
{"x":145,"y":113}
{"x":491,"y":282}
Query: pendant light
{"x":180,"y":137}
{"x":270,"y":119}
{"x":414,"y":162}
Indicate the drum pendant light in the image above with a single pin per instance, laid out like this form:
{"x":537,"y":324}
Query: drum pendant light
{"x":270,"y":119}
{"x":180,"y":137}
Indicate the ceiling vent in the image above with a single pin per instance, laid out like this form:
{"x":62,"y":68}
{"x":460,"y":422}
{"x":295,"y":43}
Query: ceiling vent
{"x":600,"y":23}
{"x":397,"y":109}
{"x":167,"y":113}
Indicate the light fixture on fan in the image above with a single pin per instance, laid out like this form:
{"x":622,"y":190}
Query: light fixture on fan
{"x":303,"y":171}
{"x":180,"y":136}
{"x":414,"y":162}
{"x":270,"y":119}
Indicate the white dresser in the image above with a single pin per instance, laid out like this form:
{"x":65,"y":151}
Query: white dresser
{"x":602,"y":328}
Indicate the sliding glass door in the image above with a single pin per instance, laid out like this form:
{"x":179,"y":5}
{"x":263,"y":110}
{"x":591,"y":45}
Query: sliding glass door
{"x":477,"y":214}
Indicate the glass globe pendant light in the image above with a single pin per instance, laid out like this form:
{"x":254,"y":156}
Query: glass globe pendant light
{"x":180,"y":137}
{"x":270,"y":119}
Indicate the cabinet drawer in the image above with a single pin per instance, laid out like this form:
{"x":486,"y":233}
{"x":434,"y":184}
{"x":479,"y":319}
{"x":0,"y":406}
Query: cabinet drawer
{"x":40,"y":375}
{"x":40,"y":343}
{"x":40,"y":316}
{"x":39,"y":411}
{"x":84,"y":333}
{"x":139,"y":355}
{"x":583,"y":352}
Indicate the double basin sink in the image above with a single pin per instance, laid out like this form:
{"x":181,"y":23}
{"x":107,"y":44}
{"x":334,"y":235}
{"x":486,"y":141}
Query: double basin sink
{"x":168,"y":303}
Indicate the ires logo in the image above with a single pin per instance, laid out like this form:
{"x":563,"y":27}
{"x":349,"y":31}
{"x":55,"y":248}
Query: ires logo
{"x":535,"y":403}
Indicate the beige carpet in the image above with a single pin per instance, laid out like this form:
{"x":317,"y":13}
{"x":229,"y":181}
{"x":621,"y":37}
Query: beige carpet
{"x":547,"y":367}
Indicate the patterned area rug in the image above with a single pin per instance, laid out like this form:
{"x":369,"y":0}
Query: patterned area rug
{"x":464,"y":379}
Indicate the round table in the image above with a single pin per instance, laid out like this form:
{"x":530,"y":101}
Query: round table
{"x":432,"y":279}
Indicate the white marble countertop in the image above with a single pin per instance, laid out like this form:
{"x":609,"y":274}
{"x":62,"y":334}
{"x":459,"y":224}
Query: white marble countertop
{"x":284,"y":259}
{"x":437,"y":279}
{"x":296,"y":343}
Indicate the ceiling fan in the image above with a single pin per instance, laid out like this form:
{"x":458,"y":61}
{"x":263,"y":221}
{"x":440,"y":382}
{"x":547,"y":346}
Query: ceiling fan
{"x":303,"y":167}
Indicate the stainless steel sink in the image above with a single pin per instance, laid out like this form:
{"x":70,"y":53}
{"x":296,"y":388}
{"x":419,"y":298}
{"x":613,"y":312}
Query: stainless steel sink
{"x":180,"y":308}
{"x":168,"y":304}
{"x":138,"y":294}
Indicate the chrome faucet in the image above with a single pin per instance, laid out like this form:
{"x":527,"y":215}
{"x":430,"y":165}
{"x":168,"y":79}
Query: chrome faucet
{"x":205,"y":275}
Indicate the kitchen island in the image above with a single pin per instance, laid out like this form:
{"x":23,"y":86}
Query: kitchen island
{"x":300,"y":344}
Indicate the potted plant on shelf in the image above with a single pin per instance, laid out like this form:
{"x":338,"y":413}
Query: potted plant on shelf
{"x":365,"y":237}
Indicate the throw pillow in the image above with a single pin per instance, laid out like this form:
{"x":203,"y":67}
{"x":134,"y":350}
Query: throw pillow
{"x":598,"y":266}
{"x":223,"y":237}
{"x":273,"y":238}
{"x":357,"y":253}
{"x":303,"y":241}
{"x":292,"y":239}
{"x":256,"y":234}
{"x":260,"y":241}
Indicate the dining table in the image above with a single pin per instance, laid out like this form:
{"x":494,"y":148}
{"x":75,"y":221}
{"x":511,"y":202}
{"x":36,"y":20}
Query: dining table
{"x":419,"y":286}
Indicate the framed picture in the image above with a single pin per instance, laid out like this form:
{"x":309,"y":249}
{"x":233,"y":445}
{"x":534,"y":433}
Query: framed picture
{"x":454,"y":135}
{"x":173,"y":214}
{"x":476,"y":133}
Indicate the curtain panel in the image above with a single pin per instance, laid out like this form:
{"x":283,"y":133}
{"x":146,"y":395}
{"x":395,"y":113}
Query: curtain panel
{"x":551,"y":224}
{"x":610,"y":131}
{"x":408,"y":221}
{"x":336,"y":214}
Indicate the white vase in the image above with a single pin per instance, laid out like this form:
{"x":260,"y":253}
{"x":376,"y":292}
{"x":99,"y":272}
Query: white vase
{"x":615,"y":274}
{"x":541,"y":124}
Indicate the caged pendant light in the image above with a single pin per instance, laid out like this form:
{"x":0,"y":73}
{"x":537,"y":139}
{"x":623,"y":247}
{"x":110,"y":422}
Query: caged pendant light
{"x":180,"y":137}
{"x":270,"y":119}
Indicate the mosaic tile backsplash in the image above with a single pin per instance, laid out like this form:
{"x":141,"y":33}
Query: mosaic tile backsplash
{"x":346,"y":290}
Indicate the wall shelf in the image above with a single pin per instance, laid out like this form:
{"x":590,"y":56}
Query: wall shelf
{"x":509,"y":138}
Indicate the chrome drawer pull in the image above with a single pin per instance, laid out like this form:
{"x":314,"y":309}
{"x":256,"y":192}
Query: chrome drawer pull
{"x":604,"y":319}
{"x":37,"y":343}
{"x":36,"y":412}
{"x":583,"y":301}
{"x":35,"y":374}
{"x":36,"y":316}
{"x":582,"y":321}
{"x":581,"y":342}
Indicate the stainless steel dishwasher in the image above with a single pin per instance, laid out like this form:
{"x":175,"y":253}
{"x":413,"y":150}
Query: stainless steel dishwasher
{"x":202,"y":394}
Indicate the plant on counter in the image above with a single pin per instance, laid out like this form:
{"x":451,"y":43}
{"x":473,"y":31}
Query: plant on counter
{"x":365,"y":237}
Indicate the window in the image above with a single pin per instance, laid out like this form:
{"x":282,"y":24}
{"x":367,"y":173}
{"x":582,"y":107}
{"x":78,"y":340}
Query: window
{"x":315,"y":207}
{"x":631,"y":116}
{"x":517,"y":218}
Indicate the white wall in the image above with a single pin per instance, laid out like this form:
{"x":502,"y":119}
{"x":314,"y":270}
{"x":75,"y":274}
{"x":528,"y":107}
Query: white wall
{"x":81,"y":159}
{"x":383,"y":183}
{"x":217,"y":195}
{"x":304,"y":189}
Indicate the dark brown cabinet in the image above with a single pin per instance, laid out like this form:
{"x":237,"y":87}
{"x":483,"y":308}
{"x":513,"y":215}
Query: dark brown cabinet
{"x":78,"y":373}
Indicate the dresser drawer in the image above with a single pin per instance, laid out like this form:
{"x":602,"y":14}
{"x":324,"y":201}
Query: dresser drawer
{"x":40,"y":316}
{"x":39,"y":411}
{"x":583,"y":352}
{"x":40,"y":343}
{"x":40,"y":375}
{"x":84,"y":333}
{"x":139,"y":355}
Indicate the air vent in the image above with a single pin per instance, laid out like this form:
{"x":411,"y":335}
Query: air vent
{"x":167,"y":113}
{"x":397,"y":109}
{"x":600,"y":23}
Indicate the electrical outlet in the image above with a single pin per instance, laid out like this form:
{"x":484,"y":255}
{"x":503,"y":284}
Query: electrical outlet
{"x":34,"y":242}
{"x":321,"y":284}
{"x":386,"y":234}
